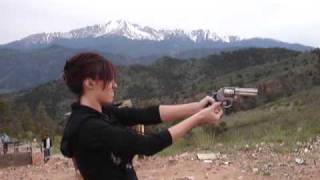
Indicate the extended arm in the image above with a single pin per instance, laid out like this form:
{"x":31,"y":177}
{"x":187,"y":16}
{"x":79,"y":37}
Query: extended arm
{"x":170,"y":113}
{"x":156,"y":114}
{"x":132,"y":116}
{"x":97,"y":134}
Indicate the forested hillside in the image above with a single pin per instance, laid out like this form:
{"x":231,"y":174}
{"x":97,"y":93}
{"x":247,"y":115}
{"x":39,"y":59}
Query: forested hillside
{"x":277,"y":73}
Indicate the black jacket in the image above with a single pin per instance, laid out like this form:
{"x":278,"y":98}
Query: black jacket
{"x":103,"y":146}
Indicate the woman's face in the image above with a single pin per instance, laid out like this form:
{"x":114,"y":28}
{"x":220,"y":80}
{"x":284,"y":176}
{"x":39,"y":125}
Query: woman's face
{"x":105,"y":95}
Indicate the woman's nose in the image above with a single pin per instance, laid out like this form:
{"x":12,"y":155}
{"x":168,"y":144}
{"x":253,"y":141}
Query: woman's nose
{"x":115,"y":85}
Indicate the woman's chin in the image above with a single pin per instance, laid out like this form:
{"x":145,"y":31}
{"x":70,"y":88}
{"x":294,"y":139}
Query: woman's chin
{"x":109,"y":101}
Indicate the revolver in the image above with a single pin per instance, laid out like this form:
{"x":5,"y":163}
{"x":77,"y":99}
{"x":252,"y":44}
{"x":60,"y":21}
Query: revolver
{"x":227,"y":95}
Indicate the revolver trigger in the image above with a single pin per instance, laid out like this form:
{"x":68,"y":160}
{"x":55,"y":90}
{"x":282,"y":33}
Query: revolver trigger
{"x":227,"y":104}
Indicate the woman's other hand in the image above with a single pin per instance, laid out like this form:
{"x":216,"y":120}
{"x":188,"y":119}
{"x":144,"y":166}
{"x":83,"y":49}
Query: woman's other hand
{"x":203,"y":103}
{"x":210,"y":114}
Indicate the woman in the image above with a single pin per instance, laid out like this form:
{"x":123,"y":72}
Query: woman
{"x":96,"y":135}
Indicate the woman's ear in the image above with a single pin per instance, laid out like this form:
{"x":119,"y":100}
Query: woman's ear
{"x":88,"y":84}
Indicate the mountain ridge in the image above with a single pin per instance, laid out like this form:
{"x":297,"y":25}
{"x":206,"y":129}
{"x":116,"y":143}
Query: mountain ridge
{"x":110,"y":31}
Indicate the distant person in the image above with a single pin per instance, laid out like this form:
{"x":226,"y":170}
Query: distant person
{"x":97,"y":136}
{"x":5,"y":140}
{"x":5,"y":147}
{"x":46,"y":144}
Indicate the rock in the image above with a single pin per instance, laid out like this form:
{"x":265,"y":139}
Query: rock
{"x":208,"y":156}
{"x":184,"y":155}
{"x":254,"y":155}
{"x":227,"y":163}
{"x":188,"y":178}
{"x":299,"y":143}
{"x":300,"y":161}
{"x":299,"y":129}
{"x":268,"y":166}
{"x":207,"y":176}
{"x":220,"y":145}
{"x":255,"y":170}
{"x":208,"y":161}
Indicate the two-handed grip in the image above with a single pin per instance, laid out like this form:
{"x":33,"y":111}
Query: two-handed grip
{"x":225,"y":102}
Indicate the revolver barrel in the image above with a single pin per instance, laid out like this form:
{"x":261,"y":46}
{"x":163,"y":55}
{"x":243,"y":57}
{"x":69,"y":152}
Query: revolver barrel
{"x":246,"y":91}
{"x":234,"y":91}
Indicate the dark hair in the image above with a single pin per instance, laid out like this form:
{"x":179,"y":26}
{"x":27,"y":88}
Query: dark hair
{"x":87,"y":65}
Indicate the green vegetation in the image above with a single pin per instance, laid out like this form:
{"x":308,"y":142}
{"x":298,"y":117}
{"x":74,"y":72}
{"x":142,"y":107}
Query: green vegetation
{"x":281,"y":123}
{"x":23,"y":123}
{"x":287,"y":121}
{"x":283,"y":113}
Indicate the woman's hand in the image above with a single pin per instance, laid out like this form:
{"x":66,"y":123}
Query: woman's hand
{"x":205,"y":101}
{"x":210,"y":114}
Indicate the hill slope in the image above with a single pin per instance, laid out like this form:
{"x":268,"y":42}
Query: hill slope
{"x":278,"y":73}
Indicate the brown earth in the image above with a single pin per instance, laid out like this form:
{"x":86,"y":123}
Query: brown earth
{"x":259,"y":162}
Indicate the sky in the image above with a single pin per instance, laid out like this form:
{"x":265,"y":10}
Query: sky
{"x":294,"y":21}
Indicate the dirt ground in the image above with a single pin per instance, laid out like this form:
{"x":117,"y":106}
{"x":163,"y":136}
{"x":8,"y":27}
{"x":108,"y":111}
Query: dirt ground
{"x":252,"y":163}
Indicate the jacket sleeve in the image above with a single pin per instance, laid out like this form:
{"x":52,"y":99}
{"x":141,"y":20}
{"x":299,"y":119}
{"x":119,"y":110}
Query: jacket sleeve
{"x":133,"y":116}
{"x":96,"y":133}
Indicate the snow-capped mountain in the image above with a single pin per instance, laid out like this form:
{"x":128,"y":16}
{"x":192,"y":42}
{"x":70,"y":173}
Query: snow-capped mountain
{"x":129,"y":30}
{"x":121,"y":42}
{"x":135,"y":41}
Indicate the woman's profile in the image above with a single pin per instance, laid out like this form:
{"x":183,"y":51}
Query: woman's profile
{"x":97,"y":136}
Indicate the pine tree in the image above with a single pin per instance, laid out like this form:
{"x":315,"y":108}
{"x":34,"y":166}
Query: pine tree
{"x":27,"y":118}
{"x":46,"y":126}
{"x":3,"y":112}
{"x":5,"y":117}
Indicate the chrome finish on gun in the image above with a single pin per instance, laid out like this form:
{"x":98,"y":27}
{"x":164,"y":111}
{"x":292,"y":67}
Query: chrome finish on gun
{"x":227,"y":95}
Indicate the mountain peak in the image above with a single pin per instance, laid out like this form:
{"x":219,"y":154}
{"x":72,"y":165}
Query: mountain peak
{"x":128,"y":30}
{"x":183,"y":39}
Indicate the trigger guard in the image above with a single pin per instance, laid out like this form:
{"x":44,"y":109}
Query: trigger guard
{"x":227,"y":104}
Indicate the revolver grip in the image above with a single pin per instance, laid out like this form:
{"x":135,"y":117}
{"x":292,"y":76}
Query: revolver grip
{"x":227,"y":103}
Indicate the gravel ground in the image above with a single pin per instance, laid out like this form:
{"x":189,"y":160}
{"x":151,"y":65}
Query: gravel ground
{"x":259,"y":162}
